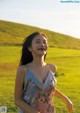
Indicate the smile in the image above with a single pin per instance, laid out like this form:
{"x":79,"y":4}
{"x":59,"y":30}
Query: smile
{"x":42,"y":49}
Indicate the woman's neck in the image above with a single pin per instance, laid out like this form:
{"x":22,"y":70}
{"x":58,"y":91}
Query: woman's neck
{"x":38,"y":62}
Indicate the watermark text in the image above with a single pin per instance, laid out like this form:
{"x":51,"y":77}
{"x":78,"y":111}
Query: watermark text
{"x":69,"y":1}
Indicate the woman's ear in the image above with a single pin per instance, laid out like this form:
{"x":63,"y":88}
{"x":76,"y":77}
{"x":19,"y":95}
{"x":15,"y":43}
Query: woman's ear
{"x":29,"y":48}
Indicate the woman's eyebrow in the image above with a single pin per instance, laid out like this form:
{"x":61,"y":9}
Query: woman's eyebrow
{"x":43,"y":39}
{"x":38,"y":39}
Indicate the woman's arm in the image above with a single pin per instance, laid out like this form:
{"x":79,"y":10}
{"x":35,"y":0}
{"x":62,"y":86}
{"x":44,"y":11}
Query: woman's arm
{"x":18,"y":91}
{"x":66,"y":99}
{"x":59,"y":94}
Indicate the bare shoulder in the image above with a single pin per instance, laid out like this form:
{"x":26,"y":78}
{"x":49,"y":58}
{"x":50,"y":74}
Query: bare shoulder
{"x":21,"y":70}
{"x":53,"y":67}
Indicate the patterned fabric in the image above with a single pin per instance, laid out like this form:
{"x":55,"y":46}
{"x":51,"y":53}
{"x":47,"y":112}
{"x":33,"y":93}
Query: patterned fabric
{"x":39,"y":95}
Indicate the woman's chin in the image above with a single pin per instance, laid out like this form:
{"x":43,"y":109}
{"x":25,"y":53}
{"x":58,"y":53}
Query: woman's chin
{"x":41,"y":53}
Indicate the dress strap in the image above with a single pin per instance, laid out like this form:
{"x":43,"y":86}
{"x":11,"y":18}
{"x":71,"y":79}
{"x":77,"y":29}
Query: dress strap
{"x":26,"y":80}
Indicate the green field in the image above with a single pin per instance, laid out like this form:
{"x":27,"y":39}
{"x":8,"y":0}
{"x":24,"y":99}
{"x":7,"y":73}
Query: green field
{"x":68,"y":63}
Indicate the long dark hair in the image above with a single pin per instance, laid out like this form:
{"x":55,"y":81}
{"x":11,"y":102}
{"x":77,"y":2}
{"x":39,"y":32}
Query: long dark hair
{"x":26,"y":56}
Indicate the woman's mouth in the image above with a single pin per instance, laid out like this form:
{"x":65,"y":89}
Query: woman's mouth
{"x":42,"y":49}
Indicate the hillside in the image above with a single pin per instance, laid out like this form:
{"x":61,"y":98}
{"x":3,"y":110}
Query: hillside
{"x":13,"y":34}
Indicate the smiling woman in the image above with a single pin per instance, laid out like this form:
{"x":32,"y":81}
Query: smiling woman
{"x":35,"y":85}
{"x":39,"y":38}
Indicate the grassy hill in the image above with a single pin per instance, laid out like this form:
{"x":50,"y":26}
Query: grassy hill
{"x":13,"y":34}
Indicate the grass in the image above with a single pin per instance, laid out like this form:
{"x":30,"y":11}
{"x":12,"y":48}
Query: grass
{"x":68,"y":63}
{"x":13,"y":34}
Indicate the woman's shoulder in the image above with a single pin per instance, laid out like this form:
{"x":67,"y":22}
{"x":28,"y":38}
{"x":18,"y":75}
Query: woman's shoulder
{"x":53,"y":67}
{"x":21,"y":69}
{"x":20,"y":75}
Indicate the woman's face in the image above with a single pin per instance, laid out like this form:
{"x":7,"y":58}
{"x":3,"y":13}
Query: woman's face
{"x":39,"y":45}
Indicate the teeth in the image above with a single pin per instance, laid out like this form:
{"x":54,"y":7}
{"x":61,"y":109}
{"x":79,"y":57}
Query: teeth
{"x":41,"y":49}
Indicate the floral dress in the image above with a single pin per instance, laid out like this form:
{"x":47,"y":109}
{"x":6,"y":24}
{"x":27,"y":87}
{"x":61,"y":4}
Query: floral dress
{"x":39,"y":95}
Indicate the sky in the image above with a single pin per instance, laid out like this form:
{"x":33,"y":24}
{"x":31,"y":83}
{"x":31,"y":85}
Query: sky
{"x":61,"y":16}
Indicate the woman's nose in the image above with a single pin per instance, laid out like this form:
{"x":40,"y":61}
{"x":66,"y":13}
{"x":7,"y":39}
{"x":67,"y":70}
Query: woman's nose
{"x":42,"y":44}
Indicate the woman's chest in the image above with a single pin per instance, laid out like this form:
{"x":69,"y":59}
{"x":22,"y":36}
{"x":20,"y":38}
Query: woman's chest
{"x":40,"y":74}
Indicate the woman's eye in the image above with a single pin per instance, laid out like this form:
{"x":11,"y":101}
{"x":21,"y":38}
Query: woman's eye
{"x":44,"y":42}
{"x":37,"y":42}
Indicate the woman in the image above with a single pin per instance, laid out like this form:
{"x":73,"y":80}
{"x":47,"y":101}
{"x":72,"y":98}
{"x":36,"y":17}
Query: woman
{"x":35,"y":80}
